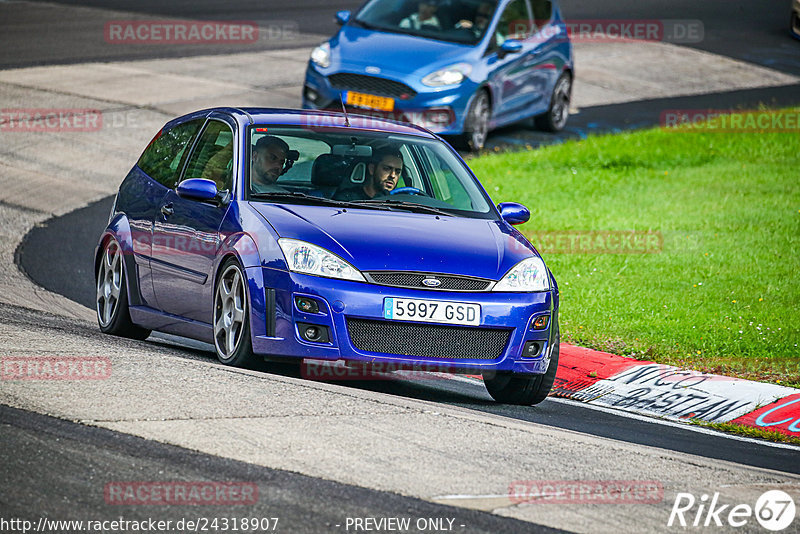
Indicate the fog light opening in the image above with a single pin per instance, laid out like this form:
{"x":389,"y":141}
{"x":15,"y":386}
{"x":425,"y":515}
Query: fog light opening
{"x":306,"y":304}
{"x":314,"y":333}
{"x":532,"y":349}
{"x":540,"y":322}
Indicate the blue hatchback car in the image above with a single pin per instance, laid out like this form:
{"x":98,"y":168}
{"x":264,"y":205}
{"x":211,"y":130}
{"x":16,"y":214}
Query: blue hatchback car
{"x":305,"y":234}
{"x":457,"y":67}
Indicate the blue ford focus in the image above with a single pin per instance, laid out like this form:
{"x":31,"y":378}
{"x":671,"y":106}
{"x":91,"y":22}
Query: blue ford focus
{"x":457,"y":67}
{"x":281,"y":234}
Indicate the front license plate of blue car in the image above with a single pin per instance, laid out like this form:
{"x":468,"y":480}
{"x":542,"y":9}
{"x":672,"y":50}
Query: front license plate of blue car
{"x":432,"y":311}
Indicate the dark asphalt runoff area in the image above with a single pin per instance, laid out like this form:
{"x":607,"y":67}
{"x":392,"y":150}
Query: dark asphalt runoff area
{"x":59,"y":470}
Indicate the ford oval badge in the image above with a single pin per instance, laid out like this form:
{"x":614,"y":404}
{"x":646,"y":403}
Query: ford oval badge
{"x":373,"y":70}
{"x":431,"y":282}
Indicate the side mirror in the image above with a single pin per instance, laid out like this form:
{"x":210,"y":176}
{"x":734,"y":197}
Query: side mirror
{"x":342,"y":17}
{"x":198,"y":189}
{"x":514,"y":213}
{"x":510,"y":46}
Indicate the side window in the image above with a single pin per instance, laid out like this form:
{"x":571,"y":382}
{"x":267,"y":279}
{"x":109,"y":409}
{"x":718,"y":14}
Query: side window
{"x":162,"y":159}
{"x":212,"y":158}
{"x":514,"y":23}
{"x":542,"y":12}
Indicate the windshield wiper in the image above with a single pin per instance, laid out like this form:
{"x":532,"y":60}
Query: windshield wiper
{"x":410,"y":206}
{"x":310,"y":199}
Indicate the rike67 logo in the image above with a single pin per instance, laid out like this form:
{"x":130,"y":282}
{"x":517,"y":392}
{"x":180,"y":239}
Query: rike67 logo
{"x":774,"y":510}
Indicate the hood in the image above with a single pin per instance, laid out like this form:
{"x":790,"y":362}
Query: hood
{"x":396,"y":54}
{"x":380,"y":240}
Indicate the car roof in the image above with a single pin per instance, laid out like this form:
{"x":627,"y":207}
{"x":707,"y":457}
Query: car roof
{"x":314,"y":119}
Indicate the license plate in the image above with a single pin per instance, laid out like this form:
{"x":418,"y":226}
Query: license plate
{"x":363,"y":100}
{"x":432,"y":311}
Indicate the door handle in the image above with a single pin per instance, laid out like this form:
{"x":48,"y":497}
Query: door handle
{"x":167,"y":210}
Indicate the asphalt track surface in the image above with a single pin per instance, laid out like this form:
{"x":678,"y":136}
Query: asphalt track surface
{"x":59,"y":256}
{"x":65,"y":467}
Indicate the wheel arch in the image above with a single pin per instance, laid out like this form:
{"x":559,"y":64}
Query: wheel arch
{"x":243,"y":249}
{"x":119,"y":229}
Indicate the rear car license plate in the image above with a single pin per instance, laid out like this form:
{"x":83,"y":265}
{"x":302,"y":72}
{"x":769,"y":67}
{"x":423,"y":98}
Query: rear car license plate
{"x":432,"y":311}
{"x":363,"y":100}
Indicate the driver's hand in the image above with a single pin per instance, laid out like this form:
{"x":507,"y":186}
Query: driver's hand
{"x":464,"y":23}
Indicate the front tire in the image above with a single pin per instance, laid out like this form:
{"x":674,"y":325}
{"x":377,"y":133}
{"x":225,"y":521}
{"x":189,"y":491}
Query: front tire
{"x":476,"y":125}
{"x":525,"y":390}
{"x":557,"y":114}
{"x":232,"y":317}
{"x":111,"y":302}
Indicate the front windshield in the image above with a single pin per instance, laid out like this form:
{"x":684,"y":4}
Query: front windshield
{"x":362,"y":168}
{"x":460,"y":21}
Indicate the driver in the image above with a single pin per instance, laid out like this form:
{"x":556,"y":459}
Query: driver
{"x":384,"y":171}
{"x":270,"y":158}
{"x":482,"y":17}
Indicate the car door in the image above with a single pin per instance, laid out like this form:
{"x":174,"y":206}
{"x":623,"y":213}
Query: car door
{"x":515,"y":78}
{"x":186,"y":232}
{"x":155,"y":173}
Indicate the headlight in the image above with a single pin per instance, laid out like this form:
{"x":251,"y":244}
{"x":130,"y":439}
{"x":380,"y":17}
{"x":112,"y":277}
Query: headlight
{"x":528,"y":275}
{"x":306,"y":258}
{"x":452,"y":75}
{"x":321,"y":55}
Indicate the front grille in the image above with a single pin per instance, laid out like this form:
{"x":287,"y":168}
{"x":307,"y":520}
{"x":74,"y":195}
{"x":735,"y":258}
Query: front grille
{"x":427,"y":340}
{"x":371,"y":85}
{"x":413,"y":280}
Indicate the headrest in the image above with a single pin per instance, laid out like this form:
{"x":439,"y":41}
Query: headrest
{"x":329,"y":170}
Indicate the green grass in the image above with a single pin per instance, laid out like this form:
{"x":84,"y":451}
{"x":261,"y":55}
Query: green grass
{"x":722,"y":295}
{"x":749,"y":431}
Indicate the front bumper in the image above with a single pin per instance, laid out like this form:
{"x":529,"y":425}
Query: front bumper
{"x":345,"y":305}
{"x":440,"y":110}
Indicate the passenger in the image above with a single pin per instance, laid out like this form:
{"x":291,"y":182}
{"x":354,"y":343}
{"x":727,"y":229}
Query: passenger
{"x":425,"y":16}
{"x":218,"y":168}
{"x":270,"y":160}
{"x":384,"y":171}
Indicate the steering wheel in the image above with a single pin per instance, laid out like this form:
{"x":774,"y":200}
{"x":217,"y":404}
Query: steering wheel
{"x":408,"y":191}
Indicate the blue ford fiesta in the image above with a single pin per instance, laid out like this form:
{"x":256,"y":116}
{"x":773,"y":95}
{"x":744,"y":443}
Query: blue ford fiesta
{"x":308,"y":234}
{"x":457,"y":67}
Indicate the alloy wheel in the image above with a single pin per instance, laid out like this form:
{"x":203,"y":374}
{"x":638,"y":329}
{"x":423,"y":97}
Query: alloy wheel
{"x":109,"y":283}
{"x":230,"y":305}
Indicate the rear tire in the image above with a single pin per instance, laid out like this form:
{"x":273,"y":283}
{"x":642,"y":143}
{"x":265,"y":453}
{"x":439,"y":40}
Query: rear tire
{"x":555,"y":118}
{"x":231,"y":317}
{"x":111,"y":301}
{"x":523,"y":389}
